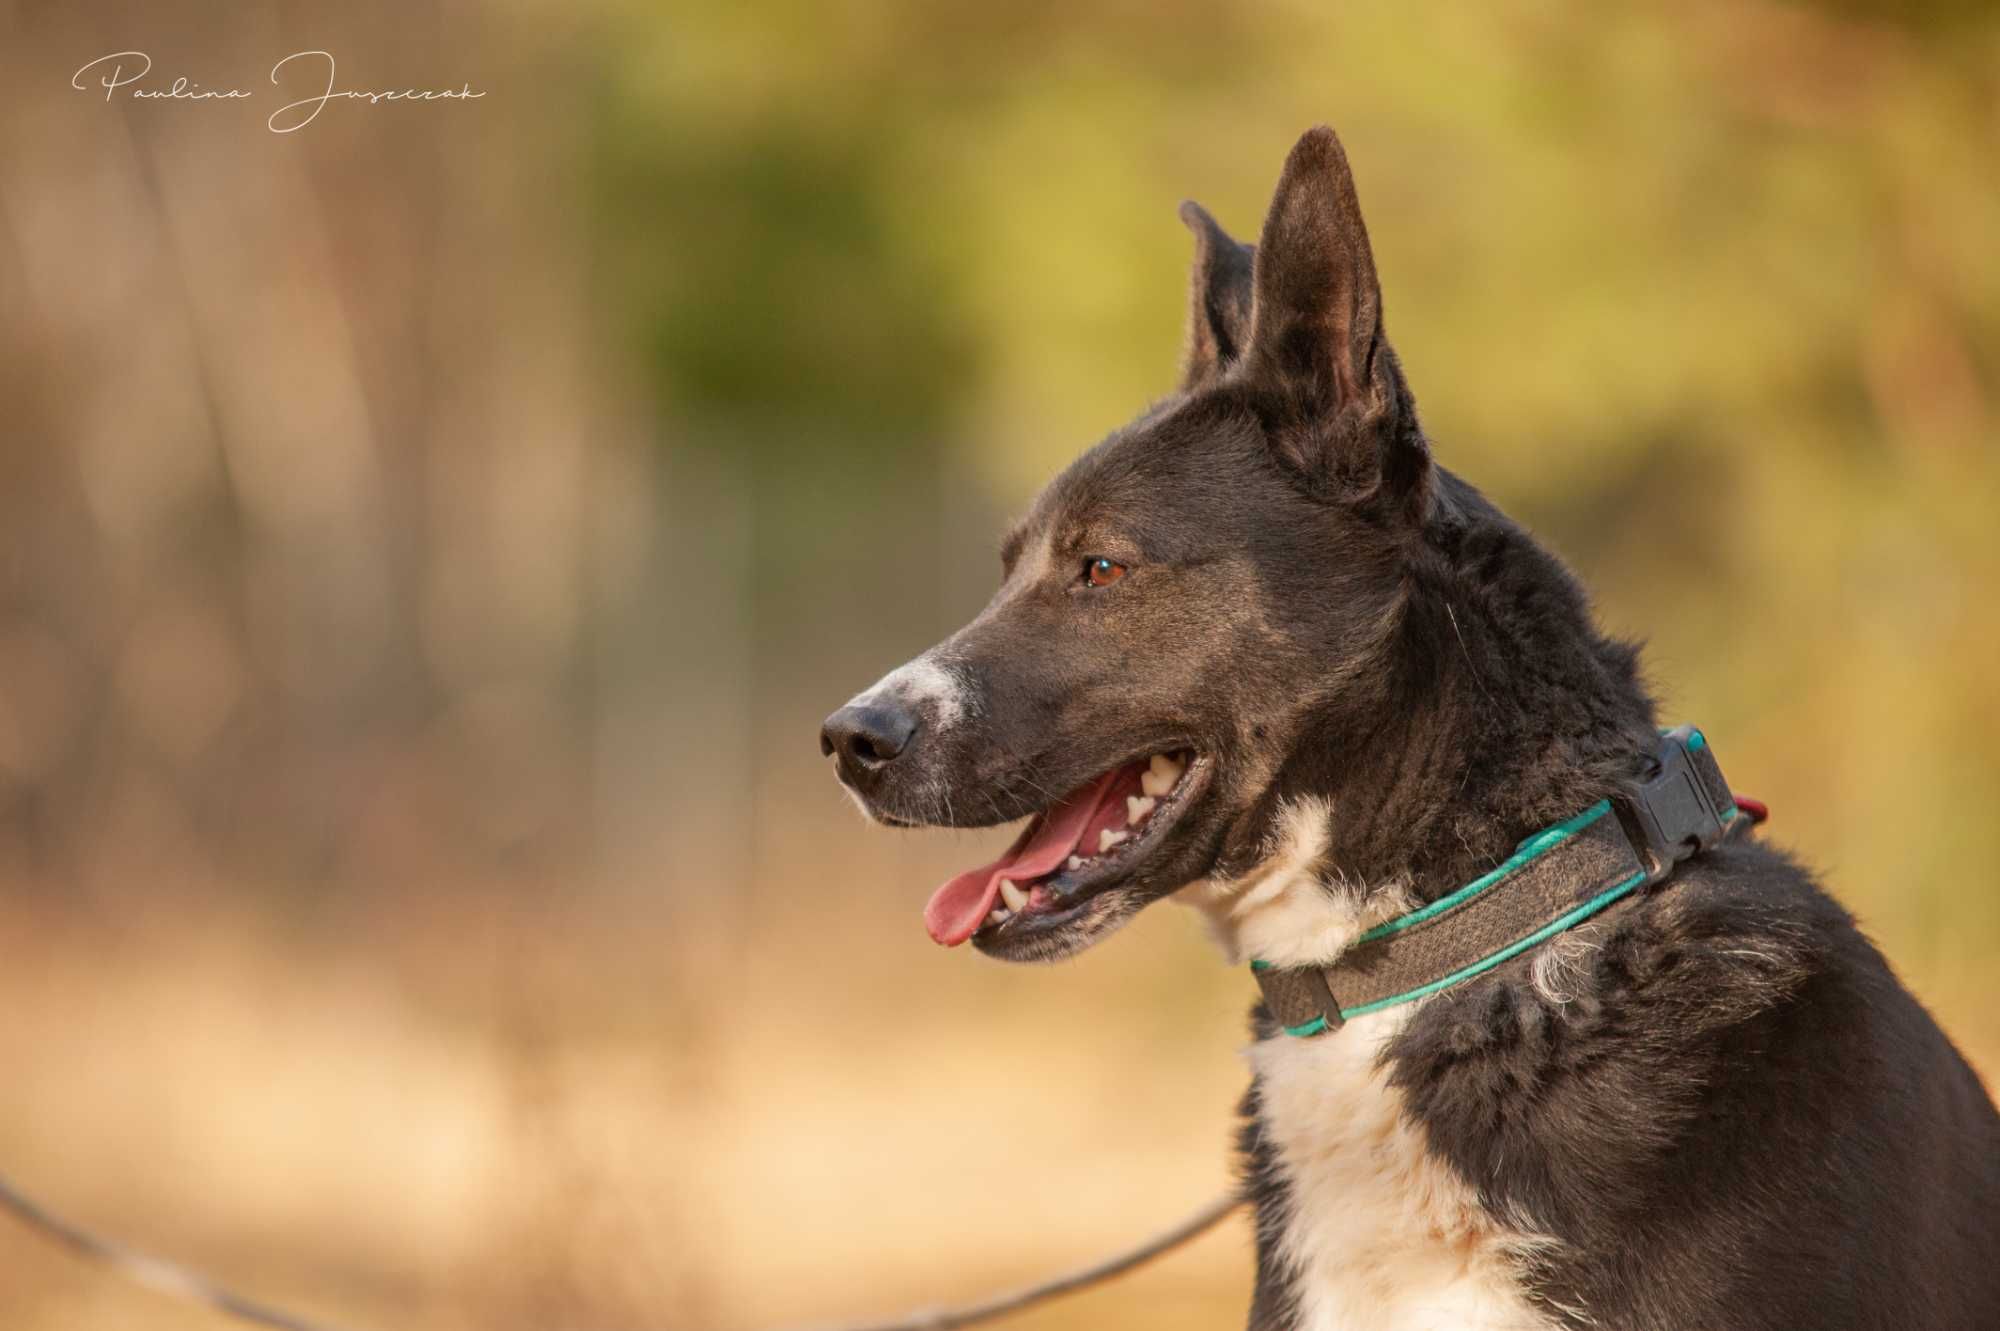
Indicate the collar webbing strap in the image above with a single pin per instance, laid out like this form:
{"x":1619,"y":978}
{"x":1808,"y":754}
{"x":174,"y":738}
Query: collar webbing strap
{"x":1554,"y":880}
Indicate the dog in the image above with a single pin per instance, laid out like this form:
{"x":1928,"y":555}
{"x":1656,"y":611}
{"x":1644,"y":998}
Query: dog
{"x":1642,"y":1071}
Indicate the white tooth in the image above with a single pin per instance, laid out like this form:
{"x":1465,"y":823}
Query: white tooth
{"x":1015,"y":898}
{"x":1108,"y":838}
{"x":999,"y":916}
{"x":1161,"y":774}
{"x":1136,"y":808}
{"x":1076,"y":862}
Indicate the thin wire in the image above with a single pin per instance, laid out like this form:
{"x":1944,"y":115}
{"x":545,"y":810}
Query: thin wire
{"x":1002,"y":1305}
{"x":155,"y":1273}
{"x":177,"y":1281}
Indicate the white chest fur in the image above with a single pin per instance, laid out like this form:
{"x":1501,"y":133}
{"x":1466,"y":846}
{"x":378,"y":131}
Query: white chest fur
{"x":1382,"y":1234}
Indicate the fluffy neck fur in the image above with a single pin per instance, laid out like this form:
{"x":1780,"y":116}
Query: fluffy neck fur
{"x":1497,"y":709}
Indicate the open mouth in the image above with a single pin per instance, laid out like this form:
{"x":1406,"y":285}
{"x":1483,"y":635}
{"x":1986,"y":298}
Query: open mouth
{"x":1089,"y":840}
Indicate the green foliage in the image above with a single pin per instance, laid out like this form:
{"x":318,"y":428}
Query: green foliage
{"x":1707,"y":293}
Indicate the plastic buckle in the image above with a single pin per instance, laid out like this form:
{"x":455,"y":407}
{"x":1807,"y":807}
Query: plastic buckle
{"x":1672,"y":815}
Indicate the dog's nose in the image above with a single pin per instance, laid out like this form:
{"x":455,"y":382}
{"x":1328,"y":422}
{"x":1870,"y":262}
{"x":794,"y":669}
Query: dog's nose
{"x":868,"y":736}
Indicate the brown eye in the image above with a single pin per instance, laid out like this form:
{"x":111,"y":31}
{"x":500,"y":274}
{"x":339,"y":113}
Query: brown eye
{"x":1102,"y":572}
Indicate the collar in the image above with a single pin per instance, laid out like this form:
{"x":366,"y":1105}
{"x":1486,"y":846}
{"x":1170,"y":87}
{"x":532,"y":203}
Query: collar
{"x":1554,"y":880}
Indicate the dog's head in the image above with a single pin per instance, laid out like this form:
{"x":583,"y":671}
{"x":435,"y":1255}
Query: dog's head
{"x":1179,"y":609}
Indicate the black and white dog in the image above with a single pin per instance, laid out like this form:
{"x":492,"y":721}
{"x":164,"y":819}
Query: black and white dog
{"x":1544,"y":1043}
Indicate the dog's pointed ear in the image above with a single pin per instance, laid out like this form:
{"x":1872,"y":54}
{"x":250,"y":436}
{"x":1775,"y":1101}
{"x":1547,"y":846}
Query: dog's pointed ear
{"x":1218,"y":300}
{"x":1330,"y":389}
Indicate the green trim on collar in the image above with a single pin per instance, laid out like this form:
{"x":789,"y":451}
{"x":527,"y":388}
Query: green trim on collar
{"x":1554,"y":880}
{"x":1541,"y":843}
{"x":1534,"y":847}
{"x":1484,"y":964}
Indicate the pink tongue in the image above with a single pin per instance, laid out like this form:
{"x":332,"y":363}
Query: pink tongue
{"x":957,"y":909}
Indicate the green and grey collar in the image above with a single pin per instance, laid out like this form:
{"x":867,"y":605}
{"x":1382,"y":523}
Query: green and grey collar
{"x":1556,"y":879}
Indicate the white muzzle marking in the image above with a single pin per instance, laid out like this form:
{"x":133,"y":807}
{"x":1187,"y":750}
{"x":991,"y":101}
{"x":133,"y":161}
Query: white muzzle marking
{"x":937,"y":691}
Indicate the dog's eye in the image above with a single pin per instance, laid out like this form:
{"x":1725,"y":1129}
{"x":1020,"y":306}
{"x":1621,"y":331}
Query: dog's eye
{"x":1102,"y":572}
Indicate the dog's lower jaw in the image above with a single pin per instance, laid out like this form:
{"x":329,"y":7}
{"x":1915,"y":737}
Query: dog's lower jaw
{"x":1373,"y":1231}
{"x":1097,"y":918}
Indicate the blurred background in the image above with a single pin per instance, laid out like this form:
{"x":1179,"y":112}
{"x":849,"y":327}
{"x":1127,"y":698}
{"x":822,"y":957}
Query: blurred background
{"x":429,"y":540}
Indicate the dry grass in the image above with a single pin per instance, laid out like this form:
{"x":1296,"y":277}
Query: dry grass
{"x":410,"y":1125}
{"x":462,"y":1115}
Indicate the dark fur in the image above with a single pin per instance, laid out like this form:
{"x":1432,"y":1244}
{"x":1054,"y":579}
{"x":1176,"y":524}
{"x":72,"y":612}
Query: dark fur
{"x":1741,"y":1119}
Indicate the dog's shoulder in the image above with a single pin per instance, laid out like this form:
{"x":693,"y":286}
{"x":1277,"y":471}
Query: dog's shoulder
{"x":1735,"y":933}
{"x":1728,"y":1053}
{"x":1607,"y":1037}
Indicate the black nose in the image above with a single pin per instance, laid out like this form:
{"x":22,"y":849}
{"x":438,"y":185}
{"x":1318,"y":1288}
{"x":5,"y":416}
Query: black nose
{"x":867,"y":737}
